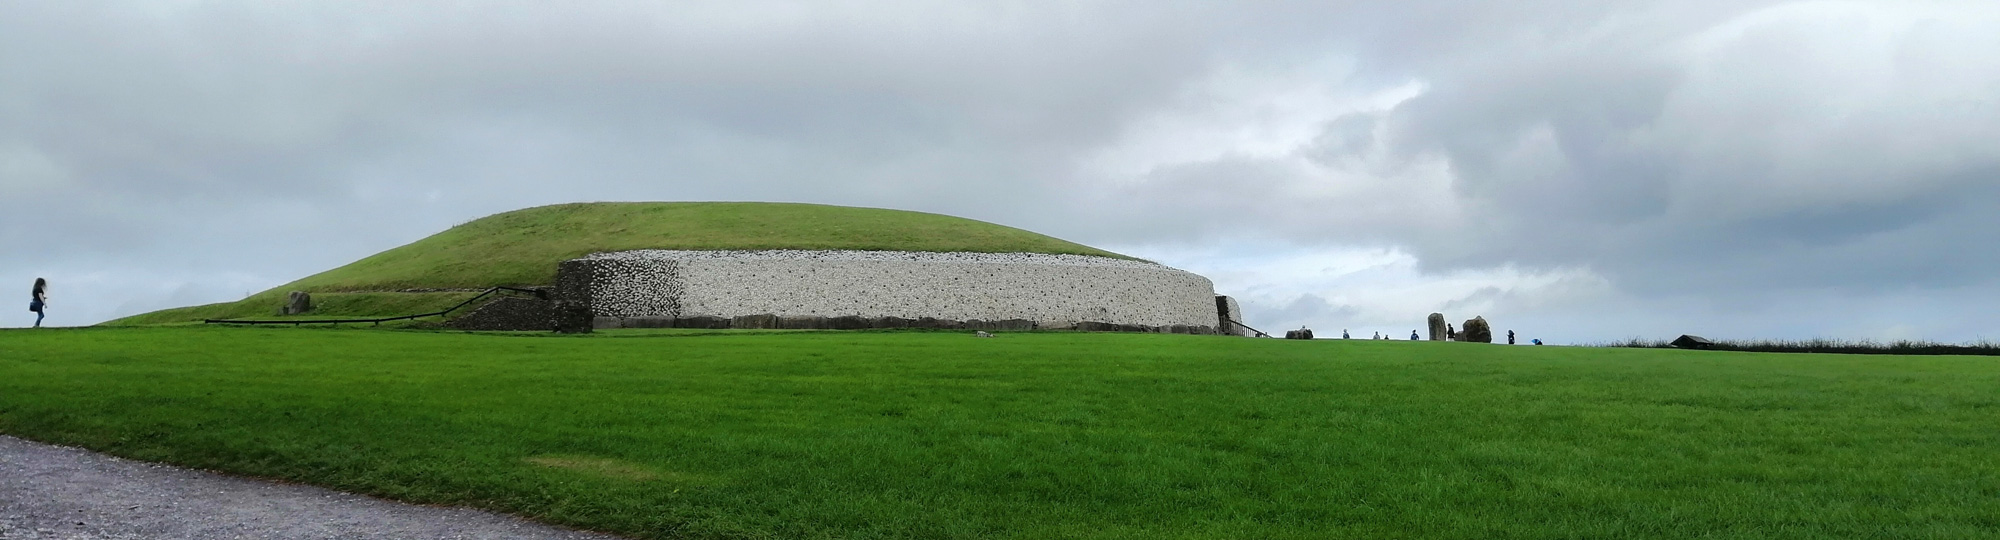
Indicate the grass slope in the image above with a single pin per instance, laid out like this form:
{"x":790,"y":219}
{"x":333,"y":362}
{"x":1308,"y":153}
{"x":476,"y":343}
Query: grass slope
{"x":523,"y":247}
{"x":325,"y":306}
{"x":940,"y":435}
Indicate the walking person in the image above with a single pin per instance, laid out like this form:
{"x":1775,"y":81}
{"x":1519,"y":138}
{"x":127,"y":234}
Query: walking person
{"x":39,"y":302}
{"x":1510,"y":337}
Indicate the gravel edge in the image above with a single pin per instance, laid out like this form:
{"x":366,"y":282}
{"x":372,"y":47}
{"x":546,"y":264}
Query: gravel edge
{"x":58,"y":492}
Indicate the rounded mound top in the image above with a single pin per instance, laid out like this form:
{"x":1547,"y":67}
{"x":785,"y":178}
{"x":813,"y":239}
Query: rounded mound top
{"x":962,"y":257}
{"x":523,"y":247}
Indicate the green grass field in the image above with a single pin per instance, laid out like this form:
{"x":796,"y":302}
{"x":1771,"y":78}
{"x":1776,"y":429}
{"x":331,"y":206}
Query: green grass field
{"x":1045,"y":435}
{"x":523,"y":247}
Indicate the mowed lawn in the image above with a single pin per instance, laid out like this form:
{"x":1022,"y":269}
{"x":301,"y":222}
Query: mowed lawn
{"x":1045,"y":435}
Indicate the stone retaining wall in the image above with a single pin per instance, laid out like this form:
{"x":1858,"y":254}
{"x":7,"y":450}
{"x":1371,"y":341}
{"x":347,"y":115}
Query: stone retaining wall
{"x":877,"y":289}
{"x":508,"y":314}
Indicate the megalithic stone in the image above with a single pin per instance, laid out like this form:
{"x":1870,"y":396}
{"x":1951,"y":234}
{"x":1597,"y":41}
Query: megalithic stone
{"x":572,"y":318}
{"x":295,"y":303}
{"x":1476,"y":331}
{"x":1436,"y":324}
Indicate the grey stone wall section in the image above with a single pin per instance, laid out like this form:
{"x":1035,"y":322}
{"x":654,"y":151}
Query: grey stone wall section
{"x":1229,"y":318}
{"x":508,"y":314}
{"x":863,"y":289}
{"x":574,"y":281}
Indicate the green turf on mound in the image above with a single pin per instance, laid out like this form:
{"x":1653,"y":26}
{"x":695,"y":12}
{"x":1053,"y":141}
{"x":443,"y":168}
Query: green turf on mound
{"x":325,"y":306}
{"x":523,"y":247}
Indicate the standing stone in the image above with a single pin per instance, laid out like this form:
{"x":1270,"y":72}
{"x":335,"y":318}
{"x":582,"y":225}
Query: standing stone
{"x":1436,"y":324}
{"x":573,"y":318}
{"x":296,"y":303}
{"x":1476,"y":331}
{"x":1229,"y":317}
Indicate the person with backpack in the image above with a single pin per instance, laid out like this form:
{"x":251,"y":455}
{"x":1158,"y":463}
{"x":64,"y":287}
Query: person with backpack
{"x":39,"y":302}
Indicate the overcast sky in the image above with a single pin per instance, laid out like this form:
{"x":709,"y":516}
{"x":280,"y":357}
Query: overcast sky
{"x":1576,"y":171}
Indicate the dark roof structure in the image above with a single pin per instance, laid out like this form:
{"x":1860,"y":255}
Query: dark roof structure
{"x":1693,"y":342}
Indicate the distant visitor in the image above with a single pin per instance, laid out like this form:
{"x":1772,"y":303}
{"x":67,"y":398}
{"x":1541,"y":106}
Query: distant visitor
{"x":38,"y":301}
{"x":1510,"y":337}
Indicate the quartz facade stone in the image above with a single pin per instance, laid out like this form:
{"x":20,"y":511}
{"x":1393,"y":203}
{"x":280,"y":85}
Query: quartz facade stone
{"x":862,"y":289}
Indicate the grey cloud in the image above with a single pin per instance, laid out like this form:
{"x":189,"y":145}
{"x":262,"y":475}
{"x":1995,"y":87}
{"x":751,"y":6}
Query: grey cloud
{"x":1677,"y":148}
{"x":1672,"y":148}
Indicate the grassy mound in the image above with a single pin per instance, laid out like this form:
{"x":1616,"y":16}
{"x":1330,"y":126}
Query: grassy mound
{"x":325,"y":306}
{"x":1045,"y":435}
{"x":522,"y":247}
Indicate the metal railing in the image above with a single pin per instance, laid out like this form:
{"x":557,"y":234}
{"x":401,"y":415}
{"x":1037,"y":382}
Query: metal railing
{"x":1260,"y":333}
{"x":539,"y":293}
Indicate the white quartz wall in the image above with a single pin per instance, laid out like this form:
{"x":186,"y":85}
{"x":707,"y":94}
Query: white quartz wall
{"x":1055,"y":291}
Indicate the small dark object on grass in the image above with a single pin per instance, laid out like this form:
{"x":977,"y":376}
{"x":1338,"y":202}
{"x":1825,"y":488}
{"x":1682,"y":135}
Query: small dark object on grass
{"x":1510,"y":337}
{"x":1537,"y":342}
{"x":1301,"y":333}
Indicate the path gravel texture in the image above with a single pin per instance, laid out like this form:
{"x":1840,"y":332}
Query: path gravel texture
{"x":57,"y":492}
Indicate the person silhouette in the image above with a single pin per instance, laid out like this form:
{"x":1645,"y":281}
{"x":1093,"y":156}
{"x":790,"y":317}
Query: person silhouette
{"x":38,"y":302}
{"x":1510,"y":337}
{"x":1343,"y":333}
{"x":1413,"y":335}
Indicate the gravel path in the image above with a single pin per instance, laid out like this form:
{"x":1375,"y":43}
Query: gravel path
{"x":56,"y":492}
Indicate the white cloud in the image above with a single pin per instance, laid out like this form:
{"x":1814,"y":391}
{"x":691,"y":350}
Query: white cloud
{"x":1591,"y":170}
